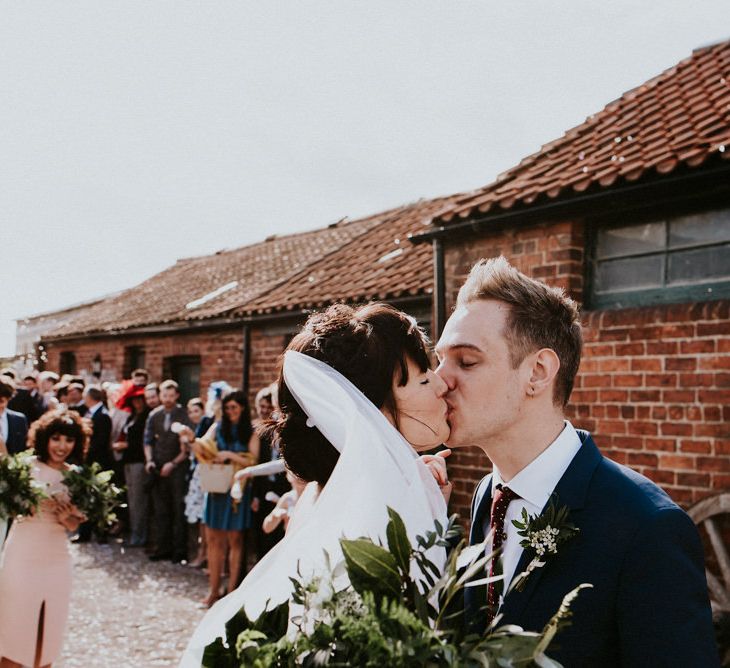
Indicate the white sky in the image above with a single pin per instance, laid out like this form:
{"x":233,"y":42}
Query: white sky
{"x":135,"y":133}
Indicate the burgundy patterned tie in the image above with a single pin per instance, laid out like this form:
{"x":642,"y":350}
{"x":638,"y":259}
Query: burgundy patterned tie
{"x":501,"y":499}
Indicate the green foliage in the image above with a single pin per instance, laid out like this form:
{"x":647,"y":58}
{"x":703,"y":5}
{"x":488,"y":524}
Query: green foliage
{"x":93,"y":492}
{"x":542,"y":534}
{"x":20,"y":494}
{"x":371,"y":568}
{"x":385,"y":617}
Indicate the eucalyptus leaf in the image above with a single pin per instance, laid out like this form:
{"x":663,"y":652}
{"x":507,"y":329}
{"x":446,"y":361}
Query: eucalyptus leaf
{"x":371,"y":568}
{"x":398,"y":543}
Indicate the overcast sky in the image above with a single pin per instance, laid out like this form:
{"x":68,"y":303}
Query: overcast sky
{"x":136,"y":133}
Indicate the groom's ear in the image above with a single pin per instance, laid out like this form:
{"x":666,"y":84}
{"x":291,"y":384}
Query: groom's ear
{"x":545,"y":366}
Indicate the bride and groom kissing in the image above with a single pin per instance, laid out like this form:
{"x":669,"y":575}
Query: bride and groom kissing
{"x":358,"y":397}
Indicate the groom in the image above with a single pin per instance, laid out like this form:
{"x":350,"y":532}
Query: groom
{"x":509,"y":355}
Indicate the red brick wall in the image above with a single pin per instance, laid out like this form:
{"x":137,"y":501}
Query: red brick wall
{"x":654,"y":386}
{"x":220,"y":351}
{"x":266,"y":347}
{"x":654,"y":383}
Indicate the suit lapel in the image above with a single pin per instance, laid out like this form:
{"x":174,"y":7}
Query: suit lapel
{"x":482,"y":511}
{"x":571,"y":491}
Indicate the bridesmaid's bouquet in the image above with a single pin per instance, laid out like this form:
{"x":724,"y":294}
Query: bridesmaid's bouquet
{"x":92,"y":491}
{"x":20,"y":493}
{"x":384,"y":616}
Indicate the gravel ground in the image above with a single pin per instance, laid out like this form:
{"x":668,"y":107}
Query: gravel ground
{"x":127,"y":611}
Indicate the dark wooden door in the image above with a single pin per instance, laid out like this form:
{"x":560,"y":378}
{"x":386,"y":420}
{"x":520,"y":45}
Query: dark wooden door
{"x":185,"y":371}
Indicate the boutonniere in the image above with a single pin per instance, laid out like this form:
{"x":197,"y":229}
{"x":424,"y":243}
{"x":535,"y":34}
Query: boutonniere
{"x":542,"y":535}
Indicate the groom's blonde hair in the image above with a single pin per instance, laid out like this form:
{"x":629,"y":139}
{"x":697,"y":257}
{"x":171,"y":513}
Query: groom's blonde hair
{"x":540,"y":317}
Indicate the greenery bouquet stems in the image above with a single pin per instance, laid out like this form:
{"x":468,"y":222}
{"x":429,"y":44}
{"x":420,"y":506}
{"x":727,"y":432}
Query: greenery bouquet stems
{"x":94,"y":493}
{"x":383,"y":614}
{"x":20,"y":493}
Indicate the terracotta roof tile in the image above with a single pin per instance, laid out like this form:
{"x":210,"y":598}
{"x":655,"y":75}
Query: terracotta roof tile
{"x":681,"y":117}
{"x":213,"y":285}
{"x":381,"y":264}
{"x":369,"y":258}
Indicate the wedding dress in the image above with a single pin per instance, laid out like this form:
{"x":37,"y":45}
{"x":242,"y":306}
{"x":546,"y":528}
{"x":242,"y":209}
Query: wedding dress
{"x":377,"y":468}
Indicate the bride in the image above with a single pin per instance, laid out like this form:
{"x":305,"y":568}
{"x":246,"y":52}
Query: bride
{"x":357,"y":399}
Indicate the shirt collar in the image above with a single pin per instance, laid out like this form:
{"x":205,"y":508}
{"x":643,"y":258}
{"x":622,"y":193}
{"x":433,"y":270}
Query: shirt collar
{"x":94,"y":408}
{"x":537,"y":481}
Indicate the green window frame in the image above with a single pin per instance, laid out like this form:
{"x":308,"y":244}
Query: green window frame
{"x":675,"y":259}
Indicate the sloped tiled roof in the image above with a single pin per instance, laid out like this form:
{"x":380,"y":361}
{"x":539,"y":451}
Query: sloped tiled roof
{"x":350,"y":260}
{"x":218,"y":283}
{"x":679,"y":118}
{"x":381,"y":264}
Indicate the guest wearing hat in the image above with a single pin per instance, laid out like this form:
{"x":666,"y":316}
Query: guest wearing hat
{"x":131,"y":446}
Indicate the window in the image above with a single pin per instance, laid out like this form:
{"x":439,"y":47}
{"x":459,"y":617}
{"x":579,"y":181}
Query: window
{"x":134,"y":358}
{"x":680,"y":259}
{"x":67,"y":363}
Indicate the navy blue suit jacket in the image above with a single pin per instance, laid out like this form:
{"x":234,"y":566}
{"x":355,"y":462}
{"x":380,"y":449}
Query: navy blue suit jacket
{"x":649,"y":604}
{"x":100,"y":441}
{"x":17,"y":432}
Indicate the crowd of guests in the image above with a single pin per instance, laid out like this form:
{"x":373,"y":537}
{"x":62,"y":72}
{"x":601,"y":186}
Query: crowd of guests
{"x":140,"y":430}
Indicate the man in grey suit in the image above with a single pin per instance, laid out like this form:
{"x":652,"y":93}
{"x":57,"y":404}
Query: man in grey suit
{"x":164,"y":457}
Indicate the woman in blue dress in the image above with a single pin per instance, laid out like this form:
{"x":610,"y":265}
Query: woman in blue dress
{"x":226,"y":519}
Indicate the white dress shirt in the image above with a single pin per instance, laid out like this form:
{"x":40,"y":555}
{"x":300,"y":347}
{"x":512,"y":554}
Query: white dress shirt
{"x":534,"y":483}
{"x":4,"y":426}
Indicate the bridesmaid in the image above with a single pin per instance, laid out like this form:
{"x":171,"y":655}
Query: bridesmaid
{"x":35,"y":571}
{"x":226,"y":520}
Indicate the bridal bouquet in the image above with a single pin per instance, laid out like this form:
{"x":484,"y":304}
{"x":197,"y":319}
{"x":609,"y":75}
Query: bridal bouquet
{"x":92,"y":491}
{"x":20,"y":494}
{"x":384,"y":617}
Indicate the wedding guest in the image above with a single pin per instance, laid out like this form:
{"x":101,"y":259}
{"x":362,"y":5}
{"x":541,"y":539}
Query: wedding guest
{"x":101,"y":422}
{"x":35,"y":572}
{"x":274,"y":483}
{"x":60,"y":389}
{"x":46,"y":382}
{"x":140,"y":377}
{"x":13,"y":425}
{"x":99,"y":446}
{"x":30,"y":383}
{"x":226,"y":519}
{"x":118,"y":415}
{"x":75,"y":398}
{"x":152,"y":395}
{"x":284,"y":505}
{"x":195,"y":497}
{"x":22,"y":401}
{"x":164,"y":457}
{"x":131,"y":446}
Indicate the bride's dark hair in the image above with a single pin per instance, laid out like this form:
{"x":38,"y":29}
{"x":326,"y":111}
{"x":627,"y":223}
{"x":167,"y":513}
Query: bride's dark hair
{"x":368,"y":345}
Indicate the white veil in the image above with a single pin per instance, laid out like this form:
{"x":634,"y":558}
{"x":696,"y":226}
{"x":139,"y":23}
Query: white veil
{"x":377,"y":468}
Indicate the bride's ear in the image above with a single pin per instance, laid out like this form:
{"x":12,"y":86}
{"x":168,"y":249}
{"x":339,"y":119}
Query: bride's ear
{"x":545,"y":366}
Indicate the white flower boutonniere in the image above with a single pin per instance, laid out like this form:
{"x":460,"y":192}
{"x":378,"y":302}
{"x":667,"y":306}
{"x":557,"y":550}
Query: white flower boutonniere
{"x":542,"y":534}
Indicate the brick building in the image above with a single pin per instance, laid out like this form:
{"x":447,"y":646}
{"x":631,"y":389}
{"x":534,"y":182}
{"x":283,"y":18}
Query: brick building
{"x":630,"y":213}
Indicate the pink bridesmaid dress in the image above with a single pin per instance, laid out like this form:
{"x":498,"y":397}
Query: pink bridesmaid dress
{"x":35,"y":583}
